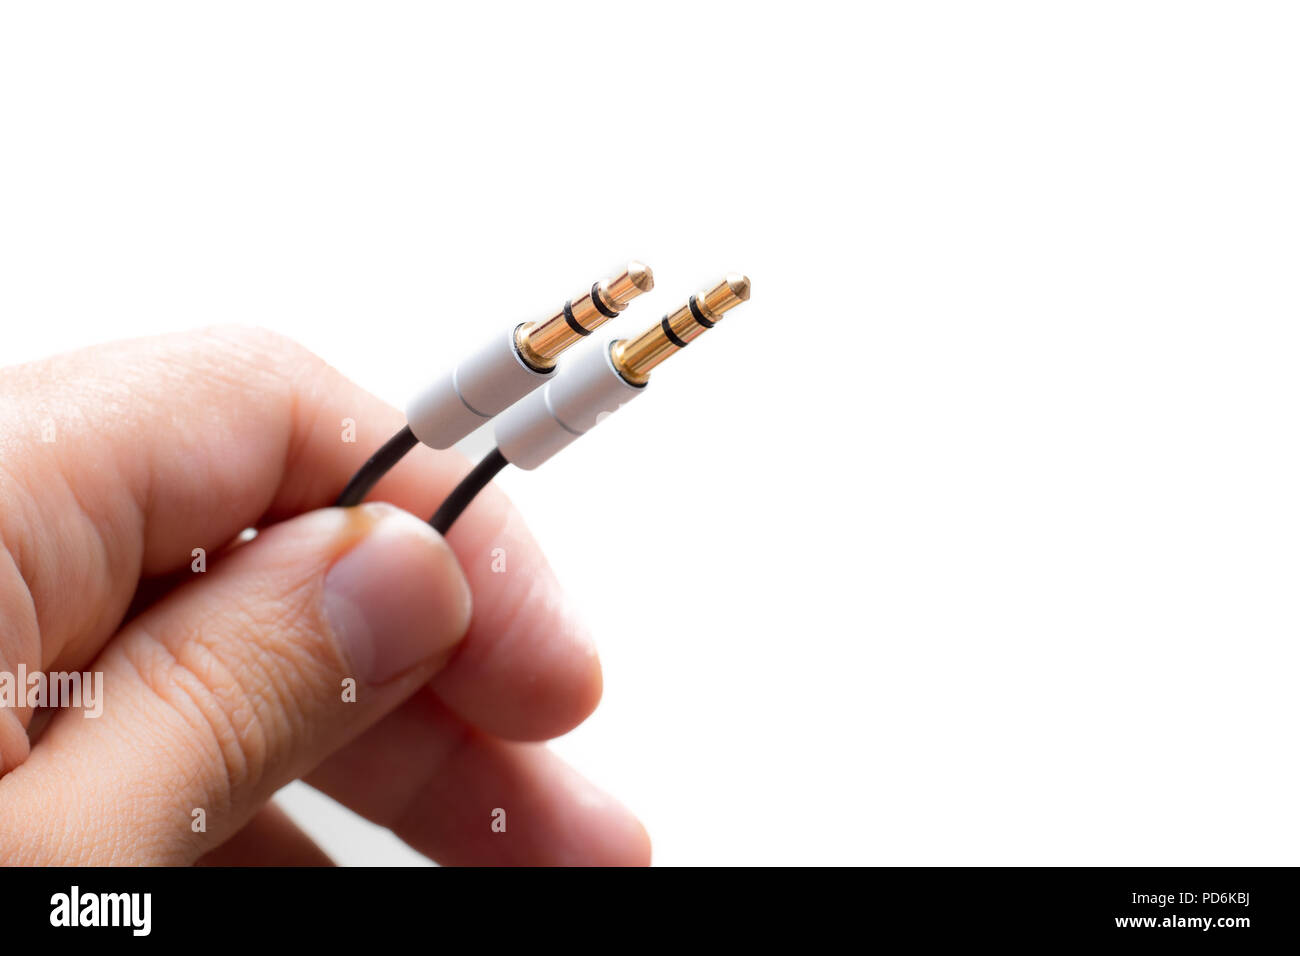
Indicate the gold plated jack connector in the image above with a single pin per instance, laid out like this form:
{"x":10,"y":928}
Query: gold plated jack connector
{"x":540,"y":342}
{"x":634,"y":358}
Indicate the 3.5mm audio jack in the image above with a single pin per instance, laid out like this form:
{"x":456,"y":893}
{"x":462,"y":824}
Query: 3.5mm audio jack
{"x":597,"y":384}
{"x":540,"y":342}
{"x":508,"y":367}
{"x":634,"y":358}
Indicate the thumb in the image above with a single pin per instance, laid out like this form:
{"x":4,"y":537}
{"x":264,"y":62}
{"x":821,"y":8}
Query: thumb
{"x":237,"y":683}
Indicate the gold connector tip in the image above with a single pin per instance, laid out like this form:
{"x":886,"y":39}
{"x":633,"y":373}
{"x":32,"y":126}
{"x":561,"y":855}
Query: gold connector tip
{"x":724,"y":296}
{"x":639,"y":275}
{"x":635,"y":357}
{"x":540,"y":342}
{"x":633,"y":281}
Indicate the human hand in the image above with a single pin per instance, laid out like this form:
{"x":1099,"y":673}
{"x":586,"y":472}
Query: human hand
{"x":221,"y":686}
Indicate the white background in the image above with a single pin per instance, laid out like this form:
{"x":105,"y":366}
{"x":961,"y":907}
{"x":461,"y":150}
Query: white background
{"x":980,"y":522}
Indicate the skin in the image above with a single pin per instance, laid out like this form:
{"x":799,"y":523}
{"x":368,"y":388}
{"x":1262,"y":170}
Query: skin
{"x":223,"y":686}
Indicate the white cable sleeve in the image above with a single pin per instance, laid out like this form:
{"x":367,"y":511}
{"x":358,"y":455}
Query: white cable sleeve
{"x":478,"y":388}
{"x":590,"y":388}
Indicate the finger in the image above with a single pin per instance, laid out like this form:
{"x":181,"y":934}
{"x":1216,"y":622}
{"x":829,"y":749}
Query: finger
{"x":236,"y":684}
{"x":527,"y":669}
{"x":464,"y":798}
{"x":165,"y":446}
{"x":271,"y":838}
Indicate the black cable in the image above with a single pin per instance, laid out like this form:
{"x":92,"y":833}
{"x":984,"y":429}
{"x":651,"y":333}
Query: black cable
{"x":376,"y":466}
{"x":464,"y":493}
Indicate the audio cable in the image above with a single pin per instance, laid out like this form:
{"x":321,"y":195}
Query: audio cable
{"x":496,"y":376}
{"x":592,"y":387}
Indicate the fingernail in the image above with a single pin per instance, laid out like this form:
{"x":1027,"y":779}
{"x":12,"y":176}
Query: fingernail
{"x":397,"y":598}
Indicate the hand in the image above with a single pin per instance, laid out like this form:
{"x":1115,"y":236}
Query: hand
{"x":225,"y":671}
